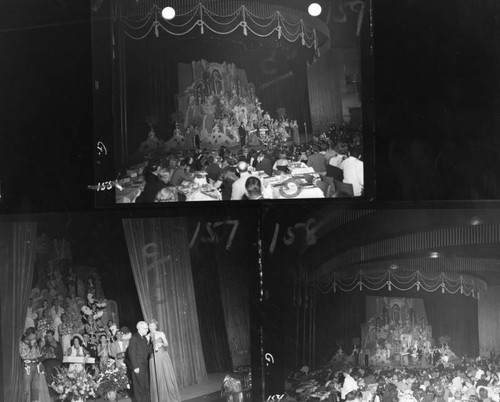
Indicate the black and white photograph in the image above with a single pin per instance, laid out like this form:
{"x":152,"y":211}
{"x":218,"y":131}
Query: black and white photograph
{"x":113,"y":308}
{"x":367,"y":130}
{"x":382,"y":304}
{"x":223,"y":100}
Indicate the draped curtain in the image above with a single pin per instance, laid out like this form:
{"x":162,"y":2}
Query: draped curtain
{"x":288,"y":91}
{"x":208,"y":300}
{"x":159,"y":255}
{"x":150,"y":90}
{"x":17,"y":256}
{"x":325,"y":95}
{"x":230,"y":254}
{"x":489,"y":321}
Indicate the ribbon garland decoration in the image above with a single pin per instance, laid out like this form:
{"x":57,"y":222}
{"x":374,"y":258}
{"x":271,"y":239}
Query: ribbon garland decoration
{"x":224,"y":20}
{"x":446,"y":282}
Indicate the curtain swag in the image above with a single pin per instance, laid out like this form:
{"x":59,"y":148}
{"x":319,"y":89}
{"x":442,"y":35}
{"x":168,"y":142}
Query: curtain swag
{"x":222,"y":22}
{"x":444,"y":282}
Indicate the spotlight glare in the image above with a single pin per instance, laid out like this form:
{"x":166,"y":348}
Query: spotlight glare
{"x":314,"y":9}
{"x":476,"y":220}
{"x":168,"y":13}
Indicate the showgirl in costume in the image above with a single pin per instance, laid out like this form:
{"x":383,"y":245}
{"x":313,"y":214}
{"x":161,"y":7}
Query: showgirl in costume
{"x":339,"y":358}
{"x":56,"y":312}
{"x":177,"y":141}
{"x":65,"y":330}
{"x":353,"y":359}
{"x":162,"y":374}
{"x":379,"y":358}
{"x":76,"y":350}
{"x":447,"y":354}
{"x":295,"y":132}
{"x":103,"y":352}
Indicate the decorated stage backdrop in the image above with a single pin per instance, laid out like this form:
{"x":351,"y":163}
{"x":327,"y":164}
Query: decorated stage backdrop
{"x":215,"y":99}
{"x":394,"y":325}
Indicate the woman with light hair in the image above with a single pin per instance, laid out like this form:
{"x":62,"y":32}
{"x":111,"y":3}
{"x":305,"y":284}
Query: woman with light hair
{"x":162,"y":374}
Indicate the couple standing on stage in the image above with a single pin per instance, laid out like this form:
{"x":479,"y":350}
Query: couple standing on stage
{"x":153,"y":376}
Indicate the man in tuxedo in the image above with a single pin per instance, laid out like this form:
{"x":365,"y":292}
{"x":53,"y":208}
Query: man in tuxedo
{"x":138,"y":353}
{"x":88,"y":346}
{"x":91,"y":350}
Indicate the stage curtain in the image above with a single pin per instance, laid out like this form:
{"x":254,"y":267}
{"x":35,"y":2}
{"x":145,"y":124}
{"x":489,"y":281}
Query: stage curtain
{"x":292,"y":93}
{"x":234,"y":285}
{"x":208,"y":300}
{"x":17,"y":256}
{"x":324,"y":90}
{"x":489,"y":321}
{"x":229,"y":248}
{"x":159,"y":255}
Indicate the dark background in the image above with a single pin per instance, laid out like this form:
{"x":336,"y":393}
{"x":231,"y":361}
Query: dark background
{"x":437,"y":102}
{"x":437,"y":99}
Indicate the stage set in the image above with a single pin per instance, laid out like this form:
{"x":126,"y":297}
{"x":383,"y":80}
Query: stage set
{"x":224,"y":74}
{"x":384,"y":302}
{"x":97,"y":275}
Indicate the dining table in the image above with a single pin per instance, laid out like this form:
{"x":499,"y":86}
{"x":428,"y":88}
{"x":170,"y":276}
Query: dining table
{"x":300,"y":183}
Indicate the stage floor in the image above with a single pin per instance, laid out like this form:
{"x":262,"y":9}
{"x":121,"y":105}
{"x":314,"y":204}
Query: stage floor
{"x":205,"y":390}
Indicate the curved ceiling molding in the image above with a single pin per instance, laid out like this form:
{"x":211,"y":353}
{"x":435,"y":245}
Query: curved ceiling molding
{"x":443,"y":237}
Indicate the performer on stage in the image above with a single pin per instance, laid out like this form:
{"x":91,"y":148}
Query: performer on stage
{"x":295,"y":132}
{"x":163,"y":379}
{"x":138,"y":353}
{"x":30,"y":353}
{"x":190,"y":138}
{"x":77,"y":350}
{"x":242,"y":132}
{"x":117,"y":350}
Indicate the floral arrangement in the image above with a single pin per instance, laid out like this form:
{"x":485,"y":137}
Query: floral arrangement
{"x":86,"y":310}
{"x":112,"y":379}
{"x":74,"y":385}
{"x":274,"y":139}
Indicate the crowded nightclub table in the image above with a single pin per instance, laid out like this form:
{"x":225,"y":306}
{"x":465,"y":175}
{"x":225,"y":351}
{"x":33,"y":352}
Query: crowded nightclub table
{"x":299,"y":184}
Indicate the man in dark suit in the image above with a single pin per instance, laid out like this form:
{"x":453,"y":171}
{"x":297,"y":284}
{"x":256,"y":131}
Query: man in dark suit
{"x":91,"y":350}
{"x":52,"y":356}
{"x":264,"y":163}
{"x":138,"y":353}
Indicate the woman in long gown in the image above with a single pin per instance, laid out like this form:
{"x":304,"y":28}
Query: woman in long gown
{"x":162,"y":374}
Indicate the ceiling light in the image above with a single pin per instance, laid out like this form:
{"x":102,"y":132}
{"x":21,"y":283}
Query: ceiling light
{"x":476,"y":220}
{"x":168,"y":13}
{"x":314,"y":9}
{"x":393,"y":267}
{"x":434,"y":254}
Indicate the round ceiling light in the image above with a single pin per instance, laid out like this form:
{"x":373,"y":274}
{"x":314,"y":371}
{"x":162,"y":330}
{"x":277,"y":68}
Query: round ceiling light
{"x":314,"y":9}
{"x":168,"y":13}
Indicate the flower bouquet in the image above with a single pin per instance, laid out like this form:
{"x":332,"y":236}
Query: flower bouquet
{"x":112,"y":379}
{"x":75,"y":385}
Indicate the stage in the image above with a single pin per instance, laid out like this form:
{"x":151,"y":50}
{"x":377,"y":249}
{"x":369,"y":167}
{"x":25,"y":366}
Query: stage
{"x":205,"y":390}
